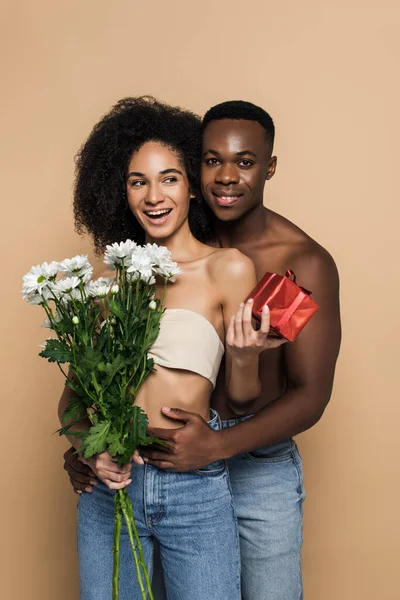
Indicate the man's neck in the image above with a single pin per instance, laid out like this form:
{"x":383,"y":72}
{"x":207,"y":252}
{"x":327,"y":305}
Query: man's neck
{"x":249,"y":229}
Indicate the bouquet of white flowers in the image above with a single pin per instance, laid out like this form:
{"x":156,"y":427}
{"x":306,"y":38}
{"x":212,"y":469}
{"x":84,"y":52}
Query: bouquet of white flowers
{"x":104,"y":329}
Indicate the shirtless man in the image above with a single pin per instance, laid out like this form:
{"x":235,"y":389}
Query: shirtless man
{"x":264,"y":462}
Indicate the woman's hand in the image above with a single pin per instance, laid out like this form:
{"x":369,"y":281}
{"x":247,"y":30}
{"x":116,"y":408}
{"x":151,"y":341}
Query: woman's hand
{"x":110,"y":473}
{"x":242,"y":340}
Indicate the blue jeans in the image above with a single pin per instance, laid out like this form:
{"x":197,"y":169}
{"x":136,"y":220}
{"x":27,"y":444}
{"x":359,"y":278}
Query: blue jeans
{"x":193,"y":519}
{"x":268,"y":493}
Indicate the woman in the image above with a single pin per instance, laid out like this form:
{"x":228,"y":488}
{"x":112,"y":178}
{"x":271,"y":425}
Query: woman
{"x":137,"y":177}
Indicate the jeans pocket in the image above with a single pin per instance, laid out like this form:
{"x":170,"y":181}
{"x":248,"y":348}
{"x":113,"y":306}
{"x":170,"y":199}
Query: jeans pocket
{"x":213,"y":469}
{"x":278,"y":453}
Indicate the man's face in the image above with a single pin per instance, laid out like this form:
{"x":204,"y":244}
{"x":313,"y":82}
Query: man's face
{"x":236,"y":162}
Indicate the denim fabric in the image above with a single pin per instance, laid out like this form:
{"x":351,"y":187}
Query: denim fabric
{"x":268,"y":493}
{"x":193,"y":519}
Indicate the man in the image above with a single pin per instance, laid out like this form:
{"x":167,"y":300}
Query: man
{"x":264,"y":463}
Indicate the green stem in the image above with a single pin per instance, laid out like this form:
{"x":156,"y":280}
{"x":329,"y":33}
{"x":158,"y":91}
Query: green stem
{"x":139,"y":546}
{"x":123,"y":497}
{"x":116,"y":548}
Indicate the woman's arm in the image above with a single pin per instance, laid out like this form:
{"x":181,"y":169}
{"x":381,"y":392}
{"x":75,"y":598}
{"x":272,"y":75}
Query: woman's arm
{"x":236,"y":277}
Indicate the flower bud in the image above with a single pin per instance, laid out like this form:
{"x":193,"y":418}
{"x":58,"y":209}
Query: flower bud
{"x":153,"y":305}
{"x":115,"y":289}
{"x":75,"y":320}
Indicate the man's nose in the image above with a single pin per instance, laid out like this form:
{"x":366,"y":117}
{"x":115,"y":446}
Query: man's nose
{"x":227,"y":174}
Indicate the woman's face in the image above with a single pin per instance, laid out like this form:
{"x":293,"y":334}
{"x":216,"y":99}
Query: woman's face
{"x":158,"y":190}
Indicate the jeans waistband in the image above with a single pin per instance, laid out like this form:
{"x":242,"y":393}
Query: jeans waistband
{"x":215,"y":420}
{"x":226,"y":423}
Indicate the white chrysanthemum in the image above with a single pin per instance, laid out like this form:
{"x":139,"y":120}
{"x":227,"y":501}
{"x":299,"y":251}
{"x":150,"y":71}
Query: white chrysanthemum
{"x":142,"y":264}
{"x":115,"y":289}
{"x":99,"y":288}
{"x":78,"y":265}
{"x":116,"y":253}
{"x":65,"y":286}
{"x":38,"y":278}
{"x":47,"y":323}
{"x":158,"y":254}
{"x":152,"y":305}
{"x":169,"y":270}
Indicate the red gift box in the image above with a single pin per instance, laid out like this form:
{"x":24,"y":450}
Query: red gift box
{"x":290,"y":305}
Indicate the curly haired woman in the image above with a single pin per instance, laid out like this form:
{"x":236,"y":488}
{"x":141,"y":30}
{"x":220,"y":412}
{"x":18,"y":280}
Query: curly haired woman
{"x":137,"y":177}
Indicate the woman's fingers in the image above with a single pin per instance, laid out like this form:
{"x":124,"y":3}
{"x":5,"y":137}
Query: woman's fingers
{"x":248,"y":330}
{"x":230,"y":334}
{"x":238,"y":326}
{"x":265,"y":321}
{"x":114,"y":485}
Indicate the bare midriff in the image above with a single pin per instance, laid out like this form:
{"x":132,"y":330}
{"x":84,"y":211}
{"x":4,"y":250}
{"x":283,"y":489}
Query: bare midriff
{"x":174,"y":388}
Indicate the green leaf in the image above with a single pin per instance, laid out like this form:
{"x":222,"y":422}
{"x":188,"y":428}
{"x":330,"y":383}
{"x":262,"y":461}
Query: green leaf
{"x":87,"y":359}
{"x":96,"y":440}
{"x":116,"y":309}
{"x":114,"y":445}
{"x":152,"y":440}
{"x":66,"y":428}
{"x":76,"y":409}
{"x":56,"y":351}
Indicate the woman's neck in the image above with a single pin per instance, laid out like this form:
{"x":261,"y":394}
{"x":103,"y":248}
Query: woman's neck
{"x":182,"y":244}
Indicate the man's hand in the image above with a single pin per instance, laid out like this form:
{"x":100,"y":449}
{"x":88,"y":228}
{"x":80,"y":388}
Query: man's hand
{"x":81,"y":476}
{"x":193,"y":446}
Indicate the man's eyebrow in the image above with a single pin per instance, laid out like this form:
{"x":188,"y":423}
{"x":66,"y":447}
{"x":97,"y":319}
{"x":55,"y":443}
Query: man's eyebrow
{"x":242,"y":153}
{"x":211,"y":151}
{"x":139,"y":174}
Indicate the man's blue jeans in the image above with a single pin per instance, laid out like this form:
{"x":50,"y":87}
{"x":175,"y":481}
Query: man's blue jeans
{"x":268,"y":495}
{"x":268,"y":492}
{"x":192,"y":517}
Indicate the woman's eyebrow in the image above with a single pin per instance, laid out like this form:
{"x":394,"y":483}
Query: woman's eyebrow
{"x":171,"y":171}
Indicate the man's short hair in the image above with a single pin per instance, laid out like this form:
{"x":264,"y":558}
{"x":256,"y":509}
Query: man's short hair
{"x":241,"y":110}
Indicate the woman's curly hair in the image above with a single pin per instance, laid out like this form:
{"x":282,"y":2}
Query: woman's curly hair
{"x":100,"y":201}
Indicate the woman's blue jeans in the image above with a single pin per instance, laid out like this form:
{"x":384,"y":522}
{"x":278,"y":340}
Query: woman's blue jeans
{"x":193,"y":519}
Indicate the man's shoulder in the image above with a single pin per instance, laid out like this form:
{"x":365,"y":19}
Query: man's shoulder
{"x":297,"y":247}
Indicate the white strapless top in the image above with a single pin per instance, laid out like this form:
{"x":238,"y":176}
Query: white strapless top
{"x":188,"y":341}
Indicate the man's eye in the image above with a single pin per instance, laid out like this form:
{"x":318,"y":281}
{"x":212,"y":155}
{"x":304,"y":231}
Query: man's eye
{"x":246,"y":163}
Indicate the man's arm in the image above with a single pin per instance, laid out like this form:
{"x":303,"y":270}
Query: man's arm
{"x":310,"y":365}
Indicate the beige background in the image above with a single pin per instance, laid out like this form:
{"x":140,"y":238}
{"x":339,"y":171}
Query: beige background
{"x":328,"y":73}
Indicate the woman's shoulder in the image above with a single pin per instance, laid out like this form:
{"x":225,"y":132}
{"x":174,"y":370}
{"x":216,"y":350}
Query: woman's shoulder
{"x":231,"y":263}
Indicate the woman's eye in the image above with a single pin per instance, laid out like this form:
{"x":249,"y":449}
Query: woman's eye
{"x":211,"y":161}
{"x":138,"y":183}
{"x":170,"y":180}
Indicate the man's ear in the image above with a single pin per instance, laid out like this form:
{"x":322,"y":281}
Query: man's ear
{"x":271,"y":167}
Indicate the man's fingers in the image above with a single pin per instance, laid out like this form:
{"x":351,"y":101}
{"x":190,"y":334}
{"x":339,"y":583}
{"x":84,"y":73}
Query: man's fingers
{"x":78,"y":478}
{"x":178,"y":414}
{"x":155,"y":455}
{"x":79,"y":467}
